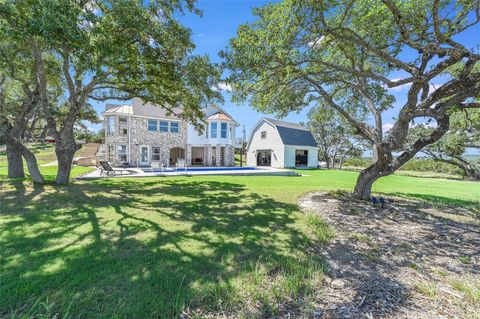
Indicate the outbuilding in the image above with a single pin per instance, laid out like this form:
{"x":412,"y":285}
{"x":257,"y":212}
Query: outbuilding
{"x":281,"y":144}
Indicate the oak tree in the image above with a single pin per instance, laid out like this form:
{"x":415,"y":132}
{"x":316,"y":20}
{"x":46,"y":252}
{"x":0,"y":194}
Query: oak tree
{"x":348,"y":54}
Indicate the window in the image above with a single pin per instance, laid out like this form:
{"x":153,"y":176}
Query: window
{"x":263,"y":135}
{"x":163,"y":126}
{"x":111,"y":125}
{"x":173,"y":127}
{"x":122,"y":125}
{"x":213,"y":130}
{"x":223,"y":130}
{"x":122,"y":153}
{"x":152,"y":125}
{"x":155,"y":153}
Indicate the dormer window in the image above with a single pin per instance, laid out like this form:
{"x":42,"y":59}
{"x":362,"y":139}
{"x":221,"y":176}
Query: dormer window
{"x":214,"y":130}
{"x":223,"y":130}
{"x":263,"y":135}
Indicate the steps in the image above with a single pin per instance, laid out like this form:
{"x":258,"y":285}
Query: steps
{"x":87,"y":155}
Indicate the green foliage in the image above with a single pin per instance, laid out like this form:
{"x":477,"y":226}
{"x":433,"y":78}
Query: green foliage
{"x":124,"y":49}
{"x":336,"y":138}
{"x":430,"y":165}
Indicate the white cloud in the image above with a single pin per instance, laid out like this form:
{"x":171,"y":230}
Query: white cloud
{"x":387,"y":127}
{"x":224,"y":86}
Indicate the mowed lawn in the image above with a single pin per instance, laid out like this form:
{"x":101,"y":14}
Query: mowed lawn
{"x":157,"y":247}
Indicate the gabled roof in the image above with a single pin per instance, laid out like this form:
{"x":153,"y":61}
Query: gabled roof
{"x":151,"y":110}
{"x":146,"y":110}
{"x":219,"y":116}
{"x":291,"y":133}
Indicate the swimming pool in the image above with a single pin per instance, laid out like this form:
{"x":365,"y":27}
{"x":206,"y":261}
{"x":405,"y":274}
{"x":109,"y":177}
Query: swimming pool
{"x":201,"y":169}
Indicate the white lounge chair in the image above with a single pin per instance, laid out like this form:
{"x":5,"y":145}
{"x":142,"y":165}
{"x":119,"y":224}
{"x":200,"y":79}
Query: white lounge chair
{"x":154,"y":165}
{"x":181,"y":164}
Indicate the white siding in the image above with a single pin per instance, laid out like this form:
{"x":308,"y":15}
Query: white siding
{"x":194,"y":139}
{"x":290,"y":155}
{"x":313,"y":157}
{"x":271,"y":142}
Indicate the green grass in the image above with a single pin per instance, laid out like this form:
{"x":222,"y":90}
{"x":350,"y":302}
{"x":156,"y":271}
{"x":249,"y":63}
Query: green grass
{"x":44,"y":152}
{"x":154,"y":247}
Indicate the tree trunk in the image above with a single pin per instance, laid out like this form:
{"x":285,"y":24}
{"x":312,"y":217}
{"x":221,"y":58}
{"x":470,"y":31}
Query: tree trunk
{"x":33,"y":166}
{"x":65,"y":161}
{"x":473,"y":174}
{"x":15,"y":162}
{"x":29,"y":158}
{"x":65,"y":149}
{"x":368,"y":176}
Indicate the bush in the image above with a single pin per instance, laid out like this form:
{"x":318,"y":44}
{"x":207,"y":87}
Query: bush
{"x":429,"y":165}
{"x":417,"y":165}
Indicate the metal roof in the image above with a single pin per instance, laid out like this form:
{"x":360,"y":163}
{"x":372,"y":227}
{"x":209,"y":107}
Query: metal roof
{"x":293,"y":133}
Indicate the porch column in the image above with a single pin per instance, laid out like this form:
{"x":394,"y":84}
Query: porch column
{"x":188,"y":154}
{"x":208,"y":155}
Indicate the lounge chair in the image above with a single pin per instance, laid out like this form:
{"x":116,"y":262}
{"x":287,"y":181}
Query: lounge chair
{"x":107,"y":169}
{"x":155,"y":165}
{"x":181,"y":164}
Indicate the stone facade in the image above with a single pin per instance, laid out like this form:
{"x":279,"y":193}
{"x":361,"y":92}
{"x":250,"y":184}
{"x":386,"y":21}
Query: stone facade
{"x":138,"y":135}
{"x":141,"y":136}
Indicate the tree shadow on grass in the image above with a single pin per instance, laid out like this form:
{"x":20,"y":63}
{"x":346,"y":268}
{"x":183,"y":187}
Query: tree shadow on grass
{"x":139,"y":249}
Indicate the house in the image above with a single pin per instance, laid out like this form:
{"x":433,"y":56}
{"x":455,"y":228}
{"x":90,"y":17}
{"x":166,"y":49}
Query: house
{"x":140,"y":133}
{"x":281,"y":144}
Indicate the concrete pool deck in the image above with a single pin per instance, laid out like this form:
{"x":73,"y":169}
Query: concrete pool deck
{"x":144,"y":172}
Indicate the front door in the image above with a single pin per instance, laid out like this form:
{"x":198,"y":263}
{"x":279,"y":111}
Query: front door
{"x":144,"y":155}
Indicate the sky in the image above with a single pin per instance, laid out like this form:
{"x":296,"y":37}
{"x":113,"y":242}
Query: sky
{"x":211,"y":33}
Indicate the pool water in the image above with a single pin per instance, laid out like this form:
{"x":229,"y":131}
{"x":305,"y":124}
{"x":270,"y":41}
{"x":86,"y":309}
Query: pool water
{"x":202,"y":169}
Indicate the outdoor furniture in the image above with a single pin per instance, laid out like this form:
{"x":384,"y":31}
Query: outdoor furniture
{"x":155,"y":165}
{"x":181,"y":164}
{"x":107,"y":169}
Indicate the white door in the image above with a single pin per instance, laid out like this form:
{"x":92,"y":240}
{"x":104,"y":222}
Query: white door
{"x":144,"y":158}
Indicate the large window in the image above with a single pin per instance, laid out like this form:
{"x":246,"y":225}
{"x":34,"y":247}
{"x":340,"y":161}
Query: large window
{"x":122,"y":125}
{"x":152,"y":125}
{"x":155,"y":153}
{"x":122,"y":153}
{"x":163,"y":126}
{"x":111,"y":125}
{"x":173,"y":127}
{"x":223,"y":130}
{"x":213,"y":130}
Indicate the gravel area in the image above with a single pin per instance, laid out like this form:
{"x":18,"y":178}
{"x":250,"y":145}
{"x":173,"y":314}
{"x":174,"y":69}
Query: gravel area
{"x":410,"y":259}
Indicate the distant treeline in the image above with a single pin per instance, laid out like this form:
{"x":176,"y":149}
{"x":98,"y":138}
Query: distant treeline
{"x":417,"y":164}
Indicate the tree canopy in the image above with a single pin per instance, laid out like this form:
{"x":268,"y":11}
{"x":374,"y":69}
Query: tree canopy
{"x":348,"y":54}
{"x":109,"y":49}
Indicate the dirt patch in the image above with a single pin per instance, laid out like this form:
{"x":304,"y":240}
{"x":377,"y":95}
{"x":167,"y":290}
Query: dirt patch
{"x":407,"y":260}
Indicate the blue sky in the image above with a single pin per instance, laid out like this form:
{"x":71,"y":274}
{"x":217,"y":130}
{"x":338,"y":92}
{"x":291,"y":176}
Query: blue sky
{"x":212,"y":31}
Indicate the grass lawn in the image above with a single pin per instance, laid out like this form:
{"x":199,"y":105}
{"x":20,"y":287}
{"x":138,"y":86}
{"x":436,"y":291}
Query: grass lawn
{"x":154,"y":247}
